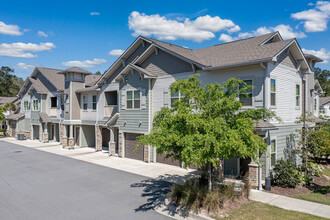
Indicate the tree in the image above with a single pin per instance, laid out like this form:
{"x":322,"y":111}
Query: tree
{"x":207,"y":124}
{"x":10,"y":84}
{"x":323,"y":76}
{"x":318,"y":141}
{"x":98,"y":72}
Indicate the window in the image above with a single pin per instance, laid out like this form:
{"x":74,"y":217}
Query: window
{"x":94,"y":102}
{"x":322,"y":110}
{"x":53,"y":101}
{"x":246,"y":97}
{"x":133,"y":99}
{"x":297,"y":95}
{"x":272,"y":152}
{"x":26,"y":105}
{"x":84,"y":102}
{"x":315,"y":104}
{"x":35,"y":105}
{"x":176,"y":96}
{"x":273,"y":92}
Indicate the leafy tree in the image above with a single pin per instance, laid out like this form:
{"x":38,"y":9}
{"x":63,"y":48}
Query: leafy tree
{"x":207,"y":124}
{"x":98,"y":73}
{"x":323,"y":76}
{"x":10,"y":84}
{"x":318,"y":142}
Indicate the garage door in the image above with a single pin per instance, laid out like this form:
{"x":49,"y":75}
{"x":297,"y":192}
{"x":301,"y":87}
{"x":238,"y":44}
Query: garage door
{"x":170,"y":161}
{"x":130,"y":143}
{"x":105,"y":138}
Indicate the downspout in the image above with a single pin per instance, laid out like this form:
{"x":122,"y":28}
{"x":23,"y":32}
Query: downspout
{"x":150,"y":112}
{"x":96,"y":123}
{"x":265,"y":101}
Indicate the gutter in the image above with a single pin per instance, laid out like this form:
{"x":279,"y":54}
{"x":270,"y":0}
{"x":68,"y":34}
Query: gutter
{"x":238,"y":64}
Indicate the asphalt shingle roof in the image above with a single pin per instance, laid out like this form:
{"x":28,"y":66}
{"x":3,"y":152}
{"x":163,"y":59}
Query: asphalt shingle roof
{"x":38,"y":85}
{"x":226,"y":54}
{"x":324,"y":100}
{"x":51,"y":74}
{"x":5,"y":100}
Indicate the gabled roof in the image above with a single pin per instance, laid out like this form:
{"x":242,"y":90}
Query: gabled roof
{"x":51,"y":74}
{"x":15,"y":116}
{"x":44,"y":117}
{"x":75,"y":70}
{"x":312,"y":57}
{"x":38,"y":85}
{"x":90,"y":80}
{"x":324,"y":100}
{"x":253,"y":50}
{"x":5,"y":100}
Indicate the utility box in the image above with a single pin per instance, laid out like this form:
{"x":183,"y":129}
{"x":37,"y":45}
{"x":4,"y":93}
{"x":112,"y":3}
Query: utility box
{"x":21,"y":137}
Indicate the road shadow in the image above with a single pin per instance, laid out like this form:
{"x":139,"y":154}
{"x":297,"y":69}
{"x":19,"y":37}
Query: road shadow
{"x":156,"y":191}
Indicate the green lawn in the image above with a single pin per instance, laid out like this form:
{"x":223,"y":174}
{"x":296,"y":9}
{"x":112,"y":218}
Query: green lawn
{"x":316,"y":196}
{"x":326,"y":172}
{"x":256,"y":211}
{"x":1,"y":133}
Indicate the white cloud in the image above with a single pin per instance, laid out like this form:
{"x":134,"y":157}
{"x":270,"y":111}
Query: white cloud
{"x":25,"y":66}
{"x":200,"y":29}
{"x":226,"y":38}
{"x":42,"y":34}
{"x":22,"y":49}
{"x":315,"y":19}
{"x":116,"y":52}
{"x":322,"y":53}
{"x":285,"y":30}
{"x":95,"y":13}
{"x":236,"y":28}
{"x":9,"y":29}
{"x":84,"y":63}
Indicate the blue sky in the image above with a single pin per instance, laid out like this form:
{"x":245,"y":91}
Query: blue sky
{"x":59,"y":34}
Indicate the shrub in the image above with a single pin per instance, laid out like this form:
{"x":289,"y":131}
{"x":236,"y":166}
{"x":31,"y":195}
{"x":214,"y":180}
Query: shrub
{"x":314,"y":169}
{"x":318,"y":141}
{"x":194,"y":195}
{"x":286,"y":174}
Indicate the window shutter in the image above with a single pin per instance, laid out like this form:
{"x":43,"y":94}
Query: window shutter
{"x":143,"y":99}
{"x":165,"y":97}
{"x":123,"y":99}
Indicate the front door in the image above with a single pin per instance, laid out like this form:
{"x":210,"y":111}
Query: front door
{"x":77,"y":136}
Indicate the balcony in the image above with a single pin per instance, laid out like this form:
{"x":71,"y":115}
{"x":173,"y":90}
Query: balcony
{"x":110,"y":111}
{"x":53,"y":112}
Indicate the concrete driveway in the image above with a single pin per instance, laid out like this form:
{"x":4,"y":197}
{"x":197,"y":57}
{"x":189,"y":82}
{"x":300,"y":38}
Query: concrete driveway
{"x":39,"y":185}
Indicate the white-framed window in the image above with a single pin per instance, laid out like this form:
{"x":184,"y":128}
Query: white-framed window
{"x":94,"y":102}
{"x":315,"y":104}
{"x":133,"y":99}
{"x":273,"y":155}
{"x":35,"y":105}
{"x":246,"y":98}
{"x":322,"y":110}
{"x":26,"y":105}
{"x":272,"y":92}
{"x":297,"y":95}
{"x":85,"y":104}
{"x":176,"y":96}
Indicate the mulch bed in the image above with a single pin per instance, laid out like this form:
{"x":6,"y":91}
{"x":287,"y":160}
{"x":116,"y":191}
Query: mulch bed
{"x":299,"y":190}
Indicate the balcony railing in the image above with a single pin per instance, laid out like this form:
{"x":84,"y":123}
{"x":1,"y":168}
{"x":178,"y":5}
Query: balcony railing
{"x":53,"y":112}
{"x":110,"y":110}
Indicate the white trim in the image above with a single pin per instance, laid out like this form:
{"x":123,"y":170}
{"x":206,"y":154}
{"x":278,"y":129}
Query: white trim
{"x":274,"y":138}
{"x":277,"y":33}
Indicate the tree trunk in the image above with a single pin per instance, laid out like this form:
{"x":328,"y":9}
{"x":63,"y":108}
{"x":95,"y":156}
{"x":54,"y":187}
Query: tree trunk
{"x":210,"y":176}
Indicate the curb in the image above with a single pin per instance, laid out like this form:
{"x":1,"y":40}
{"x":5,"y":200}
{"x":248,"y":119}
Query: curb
{"x":164,"y":210}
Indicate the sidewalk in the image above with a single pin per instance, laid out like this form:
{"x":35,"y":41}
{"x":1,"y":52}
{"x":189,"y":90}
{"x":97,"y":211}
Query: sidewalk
{"x":289,"y":203}
{"x":150,"y":170}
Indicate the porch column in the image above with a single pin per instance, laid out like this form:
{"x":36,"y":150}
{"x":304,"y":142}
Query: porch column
{"x":64,"y":137}
{"x":45,"y":133}
{"x":253,"y":174}
{"x":112,"y":143}
{"x":71,"y":140}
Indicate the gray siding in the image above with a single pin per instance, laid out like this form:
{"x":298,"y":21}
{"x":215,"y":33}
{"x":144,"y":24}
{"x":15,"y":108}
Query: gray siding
{"x":131,"y":58}
{"x":284,"y":142}
{"x":287,"y":59}
{"x":164,"y":63}
{"x":129,"y":120}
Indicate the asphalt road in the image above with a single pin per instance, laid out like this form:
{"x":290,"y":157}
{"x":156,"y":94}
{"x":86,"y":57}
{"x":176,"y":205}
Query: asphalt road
{"x":39,"y":185}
